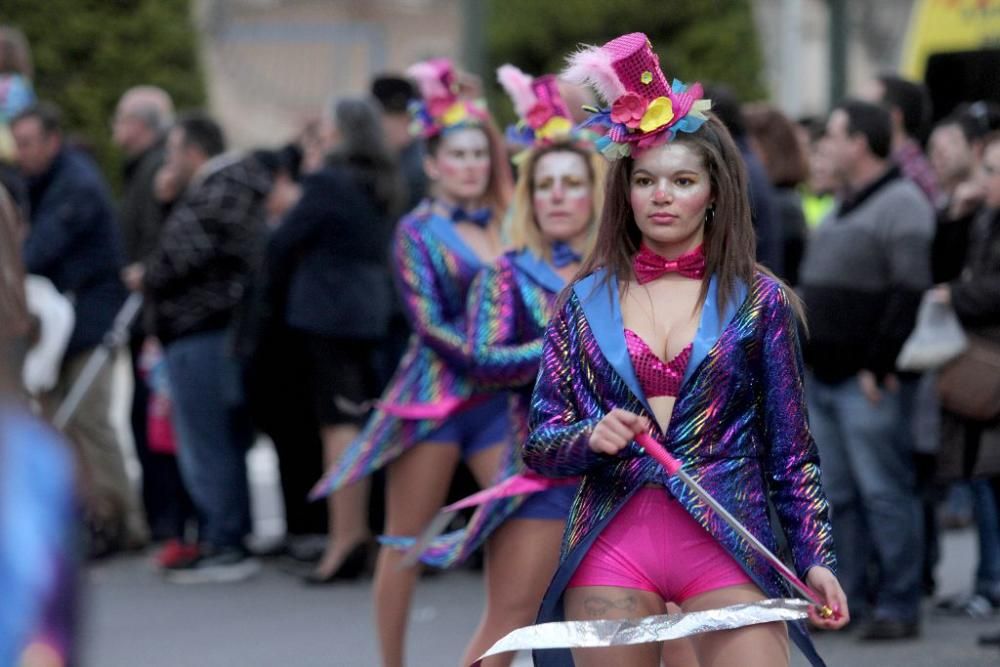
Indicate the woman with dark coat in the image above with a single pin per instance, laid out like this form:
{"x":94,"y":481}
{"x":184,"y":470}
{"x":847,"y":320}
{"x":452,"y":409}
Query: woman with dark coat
{"x":975,"y":297}
{"x":974,"y":294}
{"x":335,"y":242}
{"x":772,"y":136}
{"x":955,"y":149}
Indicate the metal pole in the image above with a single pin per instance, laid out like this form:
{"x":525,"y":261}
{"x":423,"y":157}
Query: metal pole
{"x":113,"y":339}
{"x":838,"y":50}
{"x":791,"y":55}
{"x":474,"y":13}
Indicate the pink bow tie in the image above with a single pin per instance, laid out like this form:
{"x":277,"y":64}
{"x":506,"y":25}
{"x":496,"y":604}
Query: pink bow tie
{"x":650,"y":266}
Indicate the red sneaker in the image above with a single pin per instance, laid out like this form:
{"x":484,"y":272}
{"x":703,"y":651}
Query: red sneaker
{"x":176,"y":554}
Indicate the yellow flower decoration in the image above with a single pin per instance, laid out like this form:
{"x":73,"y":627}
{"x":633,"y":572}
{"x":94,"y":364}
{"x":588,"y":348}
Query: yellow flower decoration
{"x":646,"y":77}
{"x":455,"y":114}
{"x":659,"y":112}
{"x":557,"y":126}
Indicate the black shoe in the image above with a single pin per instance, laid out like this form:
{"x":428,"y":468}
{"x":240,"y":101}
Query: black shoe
{"x":990,"y":640}
{"x":889,"y":629}
{"x":352,"y":567}
{"x":106,"y":536}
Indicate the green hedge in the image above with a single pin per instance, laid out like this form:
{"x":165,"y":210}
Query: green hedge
{"x":88,"y":52}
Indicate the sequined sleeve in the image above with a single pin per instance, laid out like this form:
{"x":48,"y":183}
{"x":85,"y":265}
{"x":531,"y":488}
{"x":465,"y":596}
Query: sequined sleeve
{"x":420,"y":291}
{"x":499,"y":359}
{"x":559,"y":442}
{"x":792,"y":462}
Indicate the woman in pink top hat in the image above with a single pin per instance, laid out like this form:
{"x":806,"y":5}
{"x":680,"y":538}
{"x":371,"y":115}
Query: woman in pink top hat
{"x":672,"y":331}
{"x":432,"y":415}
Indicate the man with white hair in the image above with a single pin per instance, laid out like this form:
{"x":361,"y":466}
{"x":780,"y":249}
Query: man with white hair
{"x":140,"y":124}
{"x":142,"y":118}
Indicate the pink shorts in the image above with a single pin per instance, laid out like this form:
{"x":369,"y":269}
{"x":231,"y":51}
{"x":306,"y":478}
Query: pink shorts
{"x":653,"y":544}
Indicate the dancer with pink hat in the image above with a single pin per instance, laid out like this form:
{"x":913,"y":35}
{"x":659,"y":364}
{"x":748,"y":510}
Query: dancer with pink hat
{"x":432,"y":415}
{"x":550,"y":228}
{"x":674,"y":336}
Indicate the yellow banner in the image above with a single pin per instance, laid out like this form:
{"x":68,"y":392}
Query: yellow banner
{"x":949,"y":25}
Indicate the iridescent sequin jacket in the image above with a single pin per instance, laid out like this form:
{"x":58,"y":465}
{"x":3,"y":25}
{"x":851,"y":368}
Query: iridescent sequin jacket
{"x":508,"y":309}
{"x":434,"y":269}
{"x":739,"y":427}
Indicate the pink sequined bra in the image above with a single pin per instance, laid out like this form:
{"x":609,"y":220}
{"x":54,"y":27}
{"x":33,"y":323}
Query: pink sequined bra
{"x":656,"y":377}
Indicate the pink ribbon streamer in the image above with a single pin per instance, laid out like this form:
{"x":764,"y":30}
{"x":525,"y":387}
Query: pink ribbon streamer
{"x":436,"y":410}
{"x":516,"y":485}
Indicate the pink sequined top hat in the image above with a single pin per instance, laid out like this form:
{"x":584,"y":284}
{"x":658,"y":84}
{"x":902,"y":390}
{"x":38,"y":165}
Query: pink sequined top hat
{"x":543,"y":116}
{"x":645,"y":110}
{"x":441,"y":107}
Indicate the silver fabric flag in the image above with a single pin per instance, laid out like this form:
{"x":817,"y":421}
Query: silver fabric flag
{"x":663,"y":627}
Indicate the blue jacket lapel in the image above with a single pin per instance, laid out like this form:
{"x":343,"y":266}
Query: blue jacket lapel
{"x":712,"y":324}
{"x":604,"y":315}
{"x":444,"y":229}
{"x":538,"y":270}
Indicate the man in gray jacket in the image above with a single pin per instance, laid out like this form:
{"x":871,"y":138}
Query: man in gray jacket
{"x":861,"y":280}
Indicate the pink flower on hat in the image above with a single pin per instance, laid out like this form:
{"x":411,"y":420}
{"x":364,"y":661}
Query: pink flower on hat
{"x":538,"y":115}
{"x":628,"y":110}
{"x":439,"y":106}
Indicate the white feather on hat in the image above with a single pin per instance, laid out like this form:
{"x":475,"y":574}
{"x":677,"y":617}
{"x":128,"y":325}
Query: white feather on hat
{"x":592,"y":66}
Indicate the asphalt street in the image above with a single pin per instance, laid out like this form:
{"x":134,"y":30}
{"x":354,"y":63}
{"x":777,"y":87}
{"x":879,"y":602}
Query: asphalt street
{"x":133,"y":618}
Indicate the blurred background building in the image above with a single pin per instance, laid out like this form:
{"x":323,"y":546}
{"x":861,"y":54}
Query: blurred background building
{"x":271,"y":63}
{"x":264,"y":66}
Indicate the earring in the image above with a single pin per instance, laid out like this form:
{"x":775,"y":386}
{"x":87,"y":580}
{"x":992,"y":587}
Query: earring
{"x":709,"y":215}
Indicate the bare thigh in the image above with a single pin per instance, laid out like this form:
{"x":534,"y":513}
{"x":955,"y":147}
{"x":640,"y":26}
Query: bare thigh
{"x":753,"y":646}
{"x":591,"y":603}
{"x":336,"y":440}
{"x":525,"y":551}
{"x":521,"y":557}
{"x":485,"y":463}
{"x":417,"y":485}
{"x":678,"y":652}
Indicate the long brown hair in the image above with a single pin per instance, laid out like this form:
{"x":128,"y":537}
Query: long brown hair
{"x":17,"y":328}
{"x":363,"y":149}
{"x":729,"y":235}
{"x":523,"y":231}
{"x":773,"y":134}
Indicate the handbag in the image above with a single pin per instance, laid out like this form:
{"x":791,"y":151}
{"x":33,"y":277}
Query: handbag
{"x":160,"y":435}
{"x":969,"y":386}
{"x":936,"y":339}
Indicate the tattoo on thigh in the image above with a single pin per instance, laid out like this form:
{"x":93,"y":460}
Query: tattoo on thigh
{"x":598,"y":606}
